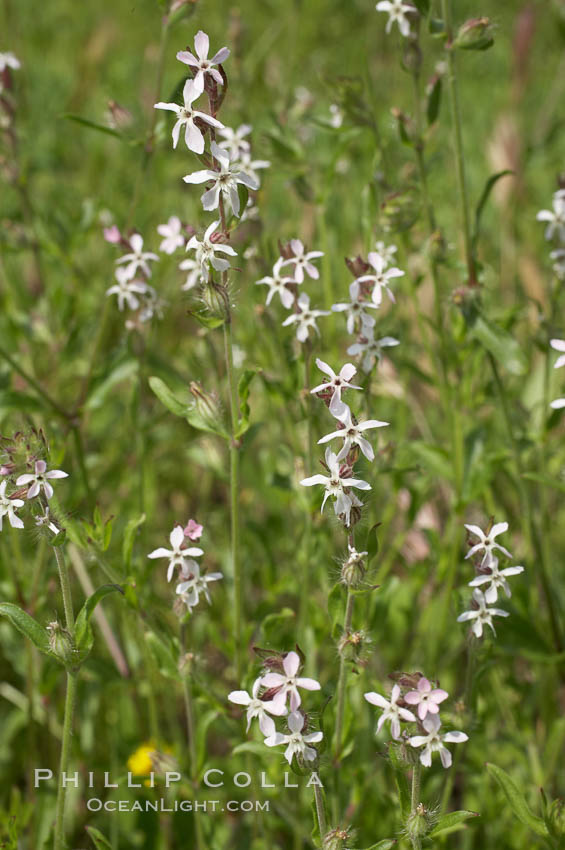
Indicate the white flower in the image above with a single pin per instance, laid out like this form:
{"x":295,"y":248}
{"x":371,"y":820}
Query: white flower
{"x":193,"y":269}
{"x":336,"y":116}
{"x":433,"y":742}
{"x":8,"y":506}
{"x":487,"y":541}
{"x":335,"y":484}
{"x":8,"y":60}
{"x":352,"y":434}
{"x":252,"y":166}
{"x":555,"y":217}
{"x":558,"y":258}
{"x":391,"y":711}
{"x":297,"y":743}
{"x":381,"y":277}
{"x":558,"y":345}
{"x":278,"y":284}
{"x":187,"y":115}
{"x":189,"y":591}
{"x":371,"y":348}
{"x":206,"y":252}
{"x":558,"y":403}
{"x":45,"y":519}
{"x":137,"y":259}
{"x":386,"y":252}
{"x":39,"y":479}
{"x":305,"y":319}
{"x":234,"y":141}
{"x":173,"y":236}
{"x":258,"y":708}
{"x":288,"y":683}
{"x":355,"y":308}
{"x":397,"y":11}
{"x":225,"y":181}
{"x":337,"y":383}
{"x":480,"y":614}
{"x":302,"y":261}
{"x":200,"y":62}
{"x":177,"y":555}
{"x":127,"y":290}
{"x":495,"y":578}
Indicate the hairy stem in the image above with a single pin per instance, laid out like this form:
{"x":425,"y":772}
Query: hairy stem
{"x":59,"y":842}
{"x":320,"y":811}
{"x":414,"y":803}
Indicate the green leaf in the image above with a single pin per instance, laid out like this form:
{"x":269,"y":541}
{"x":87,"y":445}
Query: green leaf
{"x":206,"y":319}
{"x":98,"y":839}
{"x":500,"y":344}
{"x":129,"y":539}
{"x":93,"y":125}
{"x":545,"y":479}
{"x":450,"y":820}
{"x":83,"y":632}
{"x":163,"y":655}
{"x":372,"y":544}
{"x":385,"y":844}
{"x":243,"y":392}
{"x":516,"y":801}
{"x":272,"y":623}
{"x":489,"y":186}
{"x":26,"y":625}
{"x":168,"y":398}
{"x":434,"y":101}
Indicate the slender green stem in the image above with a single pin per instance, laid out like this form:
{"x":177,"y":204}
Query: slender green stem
{"x":234,"y":494}
{"x":66,"y":588}
{"x":414,"y":803}
{"x":343,"y":677}
{"x":309,"y":462}
{"x":190,"y":732}
{"x":79,"y":447}
{"x":458,"y":142}
{"x":320,"y":811}
{"x":59,"y":843}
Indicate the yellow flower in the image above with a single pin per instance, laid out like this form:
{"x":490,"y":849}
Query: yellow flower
{"x":140,"y":763}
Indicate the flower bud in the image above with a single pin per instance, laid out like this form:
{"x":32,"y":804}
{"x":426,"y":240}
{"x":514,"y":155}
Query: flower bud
{"x":216,"y":298}
{"x":206,"y":403}
{"x":419,"y":822}
{"x":475,"y":34}
{"x":353,"y":569}
{"x":61,"y":643}
{"x":335,"y":839}
{"x":400,"y":210}
{"x":412,"y":57}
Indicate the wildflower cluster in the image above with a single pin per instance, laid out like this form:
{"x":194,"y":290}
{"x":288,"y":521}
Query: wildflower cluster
{"x":192,"y":584}
{"x":489,"y":574}
{"x":133,"y":272}
{"x":414,"y":700}
{"x":276,"y":692}
{"x":372,"y":278}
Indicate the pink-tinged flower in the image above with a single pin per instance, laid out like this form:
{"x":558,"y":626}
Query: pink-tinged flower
{"x":338,"y":382}
{"x":258,"y":708}
{"x":487,"y":542}
{"x":305,"y":318}
{"x":355,"y":308}
{"x":187,"y":115}
{"x":335,"y":483}
{"x":173,"y":236}
{"x":302,"y":261}
{"x":234,"y":141}
{"x":191,"y":589}
{"x":206,"y":250}
{"x":279,"y":285}
{"x":224,"y":181}
{"x":495,"y":578}
{"x":112,"y":235}
{"x":193,"y":530}
{"x":8,"y":508}
{"x":480,"y":615}
{"x":127,"y":289}
{"x":426,"y":698}
{"x":433,"y":742}
{"x":39,"y":479}
{"x":397,"y":13}
{"x":200,"y":63}
{"x":289,"y":682}
{"x":138,"y":258}
{"x":352,"y":434}
{"x":380,"y":279}
{"x":177,"y":554}
{"x":558,"y":345}
{"x":297,"y":743}
{"x":371,"y":348}
{"x":391,"y":711}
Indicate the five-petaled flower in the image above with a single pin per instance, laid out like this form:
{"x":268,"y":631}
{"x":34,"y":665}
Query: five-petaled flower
{"x":177,"y":555}
{"x":305,"y":318}
{"x":257,"y":707}
{"x":555,"y":217}
{"x":380,"y":279}
{"x":137,"y":258}
{"x":337,"y":383}
{"x":302,"y":261}
{"x":224,"y":181}
{"x":281,"y":684}
{"x":355,"y":308}
{"x":336,"y":484}
{"x":191,"y":589}
{"x":173,"y":236}
{"x":205,"y":252}
{"x":234,"y":141}
{"x":386,"y":252}
{"x":297,"y":743}
{"x":391,"y":711}
{"x":187,"y":115}
{"x":371,"y":348}
{"x":193,"y":530}
{"x":127,"y":289}
{"x":480,"y":615}
{"x":278,"y":284}
{"x":397,"y":12}
{"x":40,"y":479}
{"x":200,"y":63}
{"x":495,"y":578}
{"x":433,"y":742}
{"x":487,"y":542}
{"x":426,"y":698}
{"x":352,"y":434}
{"x":8,"y":508}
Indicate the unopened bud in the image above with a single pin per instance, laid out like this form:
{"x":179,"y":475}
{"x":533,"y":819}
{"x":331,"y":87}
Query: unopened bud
{"x":216,"y":298}
{"x":357,"y":266}
{"x":207,"y":403}
{"x":353,"y":569}
{"x":475,"y":34}
{"x":419,"y":822}
{"x":556,"y":818}
{"x":61,"y":643}
{"x":335,"y":840}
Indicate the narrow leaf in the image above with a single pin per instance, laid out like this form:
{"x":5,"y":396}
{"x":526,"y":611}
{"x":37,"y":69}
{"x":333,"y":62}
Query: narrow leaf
{"x":26,"y":625}
{"x":501,"y":345}
{"x":168,"y":398}
{"x":489,"y":186}
{"x":98,"y":839}
{"x":434,"y":101}
{"x":450,"y":820}
{"x":83,"y":635}
{"x":516,"y":801}
{"x":129,"y":538}
{"x":385,"y":844}
{"x":93,"y":125}
{"x":163,"y":655}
